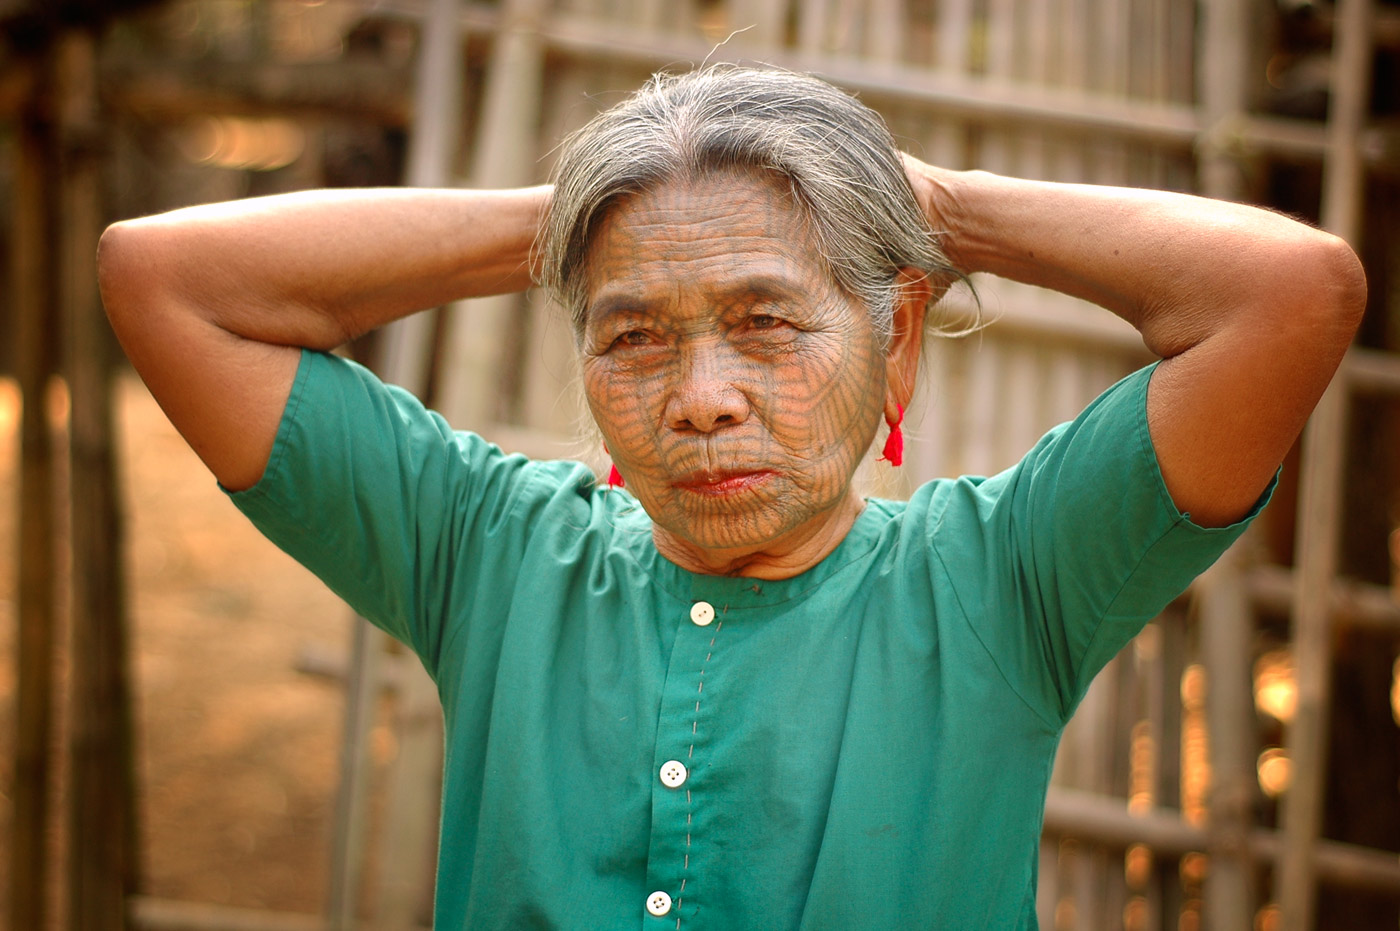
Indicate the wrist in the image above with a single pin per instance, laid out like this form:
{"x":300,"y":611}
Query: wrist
{"x":940,"y":193}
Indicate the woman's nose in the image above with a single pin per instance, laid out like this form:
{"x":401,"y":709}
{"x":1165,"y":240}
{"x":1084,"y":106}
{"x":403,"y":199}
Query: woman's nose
{"x":706,"y":397}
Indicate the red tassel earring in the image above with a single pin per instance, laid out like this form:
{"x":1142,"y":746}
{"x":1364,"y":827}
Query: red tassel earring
{"x":614,"y":476}
{"x":894,"y":443}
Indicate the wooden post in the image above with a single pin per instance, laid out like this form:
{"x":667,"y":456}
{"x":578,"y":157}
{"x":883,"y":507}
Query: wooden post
{"x":1227,"y":625}
{"x":101,"y":817}
{"x":503,"y":156}
{"x":349,"y":823}
{"x":1320,"y":494}
{"x":1220,"y":72}
{"x":406,"y":867}
{"x":34,"y":309}
{"x":1166,"y":720}
{"x":432,"y":146}
{"x":1226,"y":620}
{"x":410,"y":833}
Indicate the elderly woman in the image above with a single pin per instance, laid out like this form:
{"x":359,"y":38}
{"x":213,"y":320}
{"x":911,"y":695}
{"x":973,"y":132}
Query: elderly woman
{"x":736,"y":694}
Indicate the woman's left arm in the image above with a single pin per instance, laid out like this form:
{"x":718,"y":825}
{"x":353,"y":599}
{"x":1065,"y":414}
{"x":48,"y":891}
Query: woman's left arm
{"x":1251,"y":311}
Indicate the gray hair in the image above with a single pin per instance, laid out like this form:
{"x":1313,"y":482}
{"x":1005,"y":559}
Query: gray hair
{"x":835,"y":153}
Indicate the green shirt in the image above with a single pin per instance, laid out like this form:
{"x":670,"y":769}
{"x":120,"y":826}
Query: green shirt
{"x":865,"y":745}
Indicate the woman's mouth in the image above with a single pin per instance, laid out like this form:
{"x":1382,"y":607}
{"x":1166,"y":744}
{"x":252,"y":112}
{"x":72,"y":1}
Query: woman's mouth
{"x":721,"y":484}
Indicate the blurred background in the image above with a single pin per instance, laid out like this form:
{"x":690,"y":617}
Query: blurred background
{"x":194,"y":734}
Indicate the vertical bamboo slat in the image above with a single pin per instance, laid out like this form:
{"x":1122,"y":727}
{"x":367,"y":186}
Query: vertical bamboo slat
{"x":504,"y":157}
{"x":1226,"y":629}
{"x":948,"y":143}
{"x":1226,"y":619}
{"x":349,"y":823}
{"x":1090,"y":741}
{"x":101,"y":826}
{"x":980,"y":405}
{"x":812,"y":26}
{"x":409,"y":837}
{"x":1019,"y":423}
{"x":1320,"y":492}
{"x":32,"y":307}
{"x":404,"y":877}
{"x":432,"y":146}
{"x":1165,"y":718}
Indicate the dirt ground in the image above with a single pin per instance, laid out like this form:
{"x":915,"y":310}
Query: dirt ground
{"x":236,"y":748}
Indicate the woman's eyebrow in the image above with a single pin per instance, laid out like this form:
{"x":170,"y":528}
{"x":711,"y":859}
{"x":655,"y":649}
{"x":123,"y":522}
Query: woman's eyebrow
{"x":619,"y":304}
{"x":748,"y":287}
{"x":765,"y":285}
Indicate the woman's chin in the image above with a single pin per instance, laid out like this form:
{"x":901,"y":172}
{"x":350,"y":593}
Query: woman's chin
{"x":724,"y":533}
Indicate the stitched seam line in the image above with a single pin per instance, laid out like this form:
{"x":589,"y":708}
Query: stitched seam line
{"x":689,"y":761}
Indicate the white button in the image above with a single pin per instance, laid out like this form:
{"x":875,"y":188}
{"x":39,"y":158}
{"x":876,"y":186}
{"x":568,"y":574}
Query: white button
{"x":672,"y":773}
{"x":702,"y":612}
{"x":658,"y":903}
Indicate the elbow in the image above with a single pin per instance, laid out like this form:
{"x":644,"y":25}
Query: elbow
{"x":118,"y":261}
{"x":135,"y":275}
{"x":1342,"y":285}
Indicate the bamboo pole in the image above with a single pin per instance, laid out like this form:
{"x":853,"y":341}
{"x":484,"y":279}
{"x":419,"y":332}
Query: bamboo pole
{"x":349,"y":822}
{"x":1352,"y":604}
{"x":172,"y":90}
{"x":1371,"y":371}
{"x":33,"y":306}
{"x":1165,"y":719}
{"x":1320,"y":494}
{"x":153,"y":914}
{"x":432,"y":148}
{"x":101,"y":827}
{"x":1092,"y":817}
{"x":406,"y":866}
{"x":1227,"y":627}
{"x":374,"y":91}
{"x":1226,"y":620}
{"x":504,"y":156}
{"x":410,"y":833}
{"x":409,"y":842}
{"x":550,"y":399}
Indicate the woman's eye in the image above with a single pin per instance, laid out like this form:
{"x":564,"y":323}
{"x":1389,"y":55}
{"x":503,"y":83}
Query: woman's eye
{"x":764,"y":322}
{"x":632,"y":338}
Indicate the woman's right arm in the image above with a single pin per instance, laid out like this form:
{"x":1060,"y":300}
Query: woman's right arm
{"x":213,"y":304}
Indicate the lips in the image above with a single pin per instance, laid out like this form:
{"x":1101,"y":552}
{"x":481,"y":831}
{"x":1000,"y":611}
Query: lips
{"x":722,"y":483}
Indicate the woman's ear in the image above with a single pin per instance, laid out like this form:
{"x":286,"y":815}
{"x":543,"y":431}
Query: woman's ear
{"x":913,"y":293}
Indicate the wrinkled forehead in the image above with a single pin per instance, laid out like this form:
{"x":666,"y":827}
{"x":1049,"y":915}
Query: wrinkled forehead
{"x":726,"y":223}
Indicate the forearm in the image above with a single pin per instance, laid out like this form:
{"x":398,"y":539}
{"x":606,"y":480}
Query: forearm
{"x":1181,"y":269}
{"x":1252,"y":311}
{"x":316,"y":268}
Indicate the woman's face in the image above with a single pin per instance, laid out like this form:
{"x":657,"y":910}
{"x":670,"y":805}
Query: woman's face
{"x":736,"y":385}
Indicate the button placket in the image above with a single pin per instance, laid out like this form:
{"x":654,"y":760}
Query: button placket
{"x":680,"y":748}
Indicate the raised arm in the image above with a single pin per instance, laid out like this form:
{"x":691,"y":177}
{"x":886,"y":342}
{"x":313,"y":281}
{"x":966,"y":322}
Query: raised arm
{"x":213,"y":304}
{"x":1251,"y":311}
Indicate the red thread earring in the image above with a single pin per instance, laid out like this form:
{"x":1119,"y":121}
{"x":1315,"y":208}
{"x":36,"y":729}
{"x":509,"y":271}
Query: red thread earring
{"x":894,"y":443}
{"x":614,"y":476}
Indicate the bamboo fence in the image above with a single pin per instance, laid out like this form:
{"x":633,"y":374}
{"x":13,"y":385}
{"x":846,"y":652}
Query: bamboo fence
{"x":1138,"y":92}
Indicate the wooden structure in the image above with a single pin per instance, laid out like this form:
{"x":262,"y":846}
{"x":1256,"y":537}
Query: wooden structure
{"x":56,"y":219}
{"x":1152,"y":92}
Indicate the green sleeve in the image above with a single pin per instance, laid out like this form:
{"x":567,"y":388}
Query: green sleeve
{"x":398,"y":514}
{"x":1058,"y":562}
